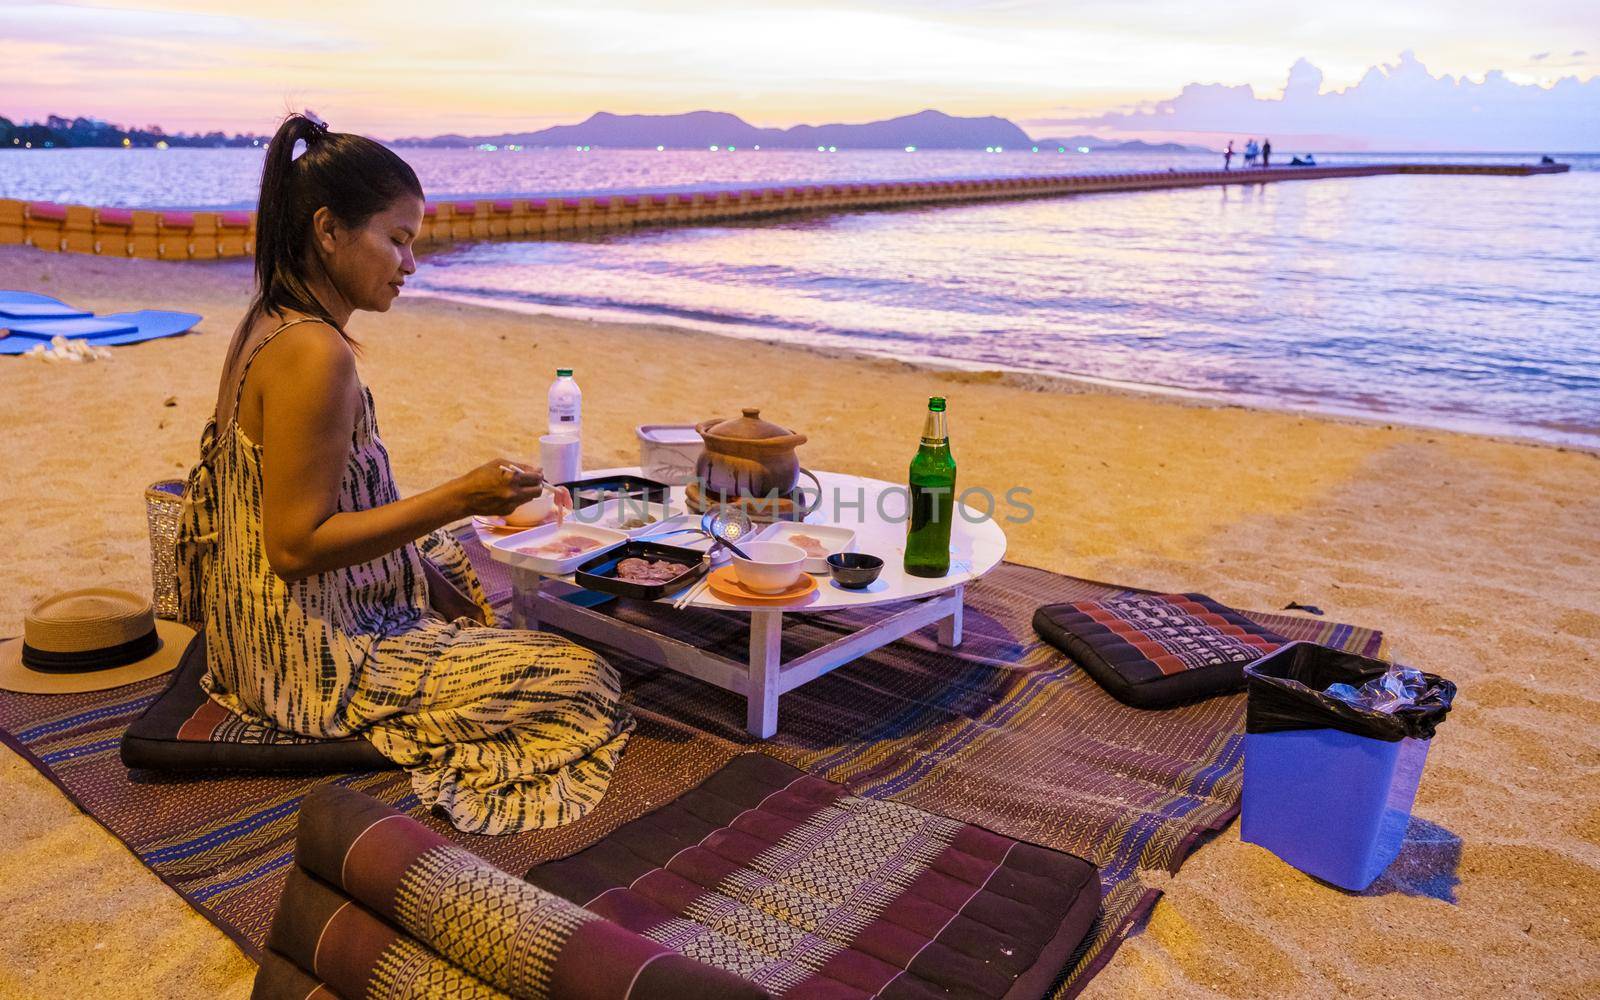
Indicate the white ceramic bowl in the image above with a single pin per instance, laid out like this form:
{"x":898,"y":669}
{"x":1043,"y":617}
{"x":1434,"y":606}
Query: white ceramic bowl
{"x":833,"y":539}
{"x":772,"y":566}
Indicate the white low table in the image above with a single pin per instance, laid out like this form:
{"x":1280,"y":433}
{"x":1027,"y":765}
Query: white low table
{"x":976,"y":547}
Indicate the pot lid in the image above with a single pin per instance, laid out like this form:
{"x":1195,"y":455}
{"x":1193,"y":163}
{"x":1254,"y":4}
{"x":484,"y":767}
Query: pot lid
{"x":749,"y":427}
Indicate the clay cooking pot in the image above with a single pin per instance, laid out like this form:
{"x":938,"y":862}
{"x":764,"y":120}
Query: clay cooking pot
{"x":749,"y":457}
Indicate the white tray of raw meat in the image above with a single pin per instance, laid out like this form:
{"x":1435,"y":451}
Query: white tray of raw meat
{"x":555,"y":549}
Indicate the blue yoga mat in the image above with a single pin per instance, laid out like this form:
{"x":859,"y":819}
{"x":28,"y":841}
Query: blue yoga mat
{"x":34,"y":297}
{"x":29,"y":318}
{"x":90,"y":329}
{"x":25,"y":311}
{"x":104,"y":332}
{"x":149,"y":324}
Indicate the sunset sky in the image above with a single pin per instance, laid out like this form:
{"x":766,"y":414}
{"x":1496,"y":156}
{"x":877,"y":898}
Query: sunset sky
{"x":406,"y":67}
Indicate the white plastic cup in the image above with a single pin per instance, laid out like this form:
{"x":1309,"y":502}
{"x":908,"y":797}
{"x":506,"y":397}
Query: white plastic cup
{"x":561,"y":458}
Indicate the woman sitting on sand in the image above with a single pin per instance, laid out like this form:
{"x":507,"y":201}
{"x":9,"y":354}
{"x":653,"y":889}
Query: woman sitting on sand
{"x":311,"y":573}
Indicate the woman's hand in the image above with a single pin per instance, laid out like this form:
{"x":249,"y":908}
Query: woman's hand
{"x":497,"y":488}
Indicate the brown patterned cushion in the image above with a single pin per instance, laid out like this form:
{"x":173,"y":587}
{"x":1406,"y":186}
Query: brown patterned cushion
{"x":1158,"y":650}
{"x":341,"y":944}
{"x":382,"y":907}
{"x":183,"y":730}
{"x":279,"y":977}
{"x":808,"y":891}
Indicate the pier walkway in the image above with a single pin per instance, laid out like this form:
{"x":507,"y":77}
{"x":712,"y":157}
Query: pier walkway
{"x":168,"y":234}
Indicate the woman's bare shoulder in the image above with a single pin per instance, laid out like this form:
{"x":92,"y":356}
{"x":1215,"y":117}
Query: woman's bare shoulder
{"x":303,"y":368}
{"x":307,"y":347}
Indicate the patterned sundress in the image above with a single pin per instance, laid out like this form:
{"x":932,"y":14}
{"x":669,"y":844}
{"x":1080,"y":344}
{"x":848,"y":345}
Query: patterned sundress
{"x":501,"y":730}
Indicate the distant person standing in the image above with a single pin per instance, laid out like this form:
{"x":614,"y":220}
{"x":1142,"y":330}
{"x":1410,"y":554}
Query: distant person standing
{"x":1266,"y":153}
{"x":1227,"y":156}
{"x":1251,"y":151}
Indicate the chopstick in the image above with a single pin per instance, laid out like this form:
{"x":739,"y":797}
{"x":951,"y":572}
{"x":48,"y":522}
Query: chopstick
{"x":693,"y":592}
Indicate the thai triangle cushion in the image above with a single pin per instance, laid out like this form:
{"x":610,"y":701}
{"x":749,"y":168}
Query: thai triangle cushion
{"x":1157,"y":650}
{"x":379,"y":906}
{"x":183,"y":730}
{"x":810,"y":892}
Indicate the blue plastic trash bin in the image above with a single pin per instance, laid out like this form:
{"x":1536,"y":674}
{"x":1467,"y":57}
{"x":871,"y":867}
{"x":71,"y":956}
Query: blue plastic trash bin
{"x":1332,"y":803}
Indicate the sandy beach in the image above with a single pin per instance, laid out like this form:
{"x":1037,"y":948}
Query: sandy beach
{"x":1477,"y":556}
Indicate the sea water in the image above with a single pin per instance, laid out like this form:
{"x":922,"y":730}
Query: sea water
{"x":1454,"y":301}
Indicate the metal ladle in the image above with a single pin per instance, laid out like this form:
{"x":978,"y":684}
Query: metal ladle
{"x":726,"y":523}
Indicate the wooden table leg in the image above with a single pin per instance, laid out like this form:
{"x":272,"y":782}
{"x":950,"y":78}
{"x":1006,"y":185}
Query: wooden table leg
{"x":761,"y":693}
{"x":950,"y":628}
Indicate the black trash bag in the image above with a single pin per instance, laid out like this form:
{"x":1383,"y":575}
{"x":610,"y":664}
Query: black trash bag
{"x":1288,"y":691}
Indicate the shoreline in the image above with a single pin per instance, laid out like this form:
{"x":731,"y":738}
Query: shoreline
{"x":1031,"y":379}
{"x":1476,"y":556}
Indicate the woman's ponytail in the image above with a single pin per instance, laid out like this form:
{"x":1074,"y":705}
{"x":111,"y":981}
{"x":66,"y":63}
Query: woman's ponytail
{"x":352,"y":176}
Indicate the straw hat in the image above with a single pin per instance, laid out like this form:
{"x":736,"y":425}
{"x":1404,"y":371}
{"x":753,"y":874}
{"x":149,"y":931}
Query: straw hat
{"x":90,"y":640}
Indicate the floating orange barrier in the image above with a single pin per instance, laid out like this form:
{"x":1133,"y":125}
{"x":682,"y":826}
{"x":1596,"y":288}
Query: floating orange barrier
{"x":203,"y":235}
{"x":425,"y":232}
{"x":77,"y":229}
{"x":173,"y":229}
{"x":13,"y":221}
{"x":540,"y":221}
{"x":113,"y":232}
{"x":206,"y":235}
{"x":235,"y":234}
{"x":464,"y":222}
{"x":47,"y":224}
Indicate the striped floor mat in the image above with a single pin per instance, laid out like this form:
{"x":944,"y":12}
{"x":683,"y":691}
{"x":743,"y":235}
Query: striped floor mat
{"x":1005,"y":733}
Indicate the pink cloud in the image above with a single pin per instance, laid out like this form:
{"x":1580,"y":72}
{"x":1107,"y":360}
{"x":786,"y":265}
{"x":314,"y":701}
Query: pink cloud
{"x":1397,"y":106}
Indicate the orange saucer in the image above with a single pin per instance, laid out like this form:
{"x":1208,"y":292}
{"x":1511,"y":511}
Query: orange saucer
{"x":727,"y":586}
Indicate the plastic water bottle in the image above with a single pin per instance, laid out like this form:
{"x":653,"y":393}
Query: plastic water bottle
{"x":566,"y":405}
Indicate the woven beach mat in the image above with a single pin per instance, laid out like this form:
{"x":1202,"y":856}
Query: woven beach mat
{"x":1005,"y":733}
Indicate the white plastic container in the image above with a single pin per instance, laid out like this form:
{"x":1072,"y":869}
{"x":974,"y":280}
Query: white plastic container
{"x":519,"y":549}
{"x":668,"y":453}
{"x":619,"y":511}
{"x":565,"y":405}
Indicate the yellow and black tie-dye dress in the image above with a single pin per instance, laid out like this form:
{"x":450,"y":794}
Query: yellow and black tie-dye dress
{"x":502,"y":730}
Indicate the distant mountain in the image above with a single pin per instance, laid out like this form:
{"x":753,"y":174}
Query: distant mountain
{"x":1113,"y":146}
{"x":699,"y":129}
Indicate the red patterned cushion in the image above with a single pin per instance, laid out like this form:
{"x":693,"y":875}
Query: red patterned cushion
{"x":1157,"y":650}
{"x":183,"y":730}
{"x":809,"y":892}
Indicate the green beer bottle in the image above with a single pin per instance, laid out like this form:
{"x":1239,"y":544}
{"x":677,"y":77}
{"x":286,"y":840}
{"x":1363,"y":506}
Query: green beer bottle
{"x":932,"y":500}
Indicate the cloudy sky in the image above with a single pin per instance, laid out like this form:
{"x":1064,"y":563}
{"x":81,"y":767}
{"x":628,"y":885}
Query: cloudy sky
{"x":1486,"y":74}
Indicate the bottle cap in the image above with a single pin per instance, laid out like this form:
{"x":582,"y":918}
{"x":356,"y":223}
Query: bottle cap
{"x":563,"y":373}
{"x":936,"y":404}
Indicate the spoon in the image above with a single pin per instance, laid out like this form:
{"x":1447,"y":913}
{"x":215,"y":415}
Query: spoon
{"x":727,"y":524}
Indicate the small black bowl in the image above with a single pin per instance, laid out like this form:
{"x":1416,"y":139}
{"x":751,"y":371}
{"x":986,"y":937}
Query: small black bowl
{"x":854,"y":570}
